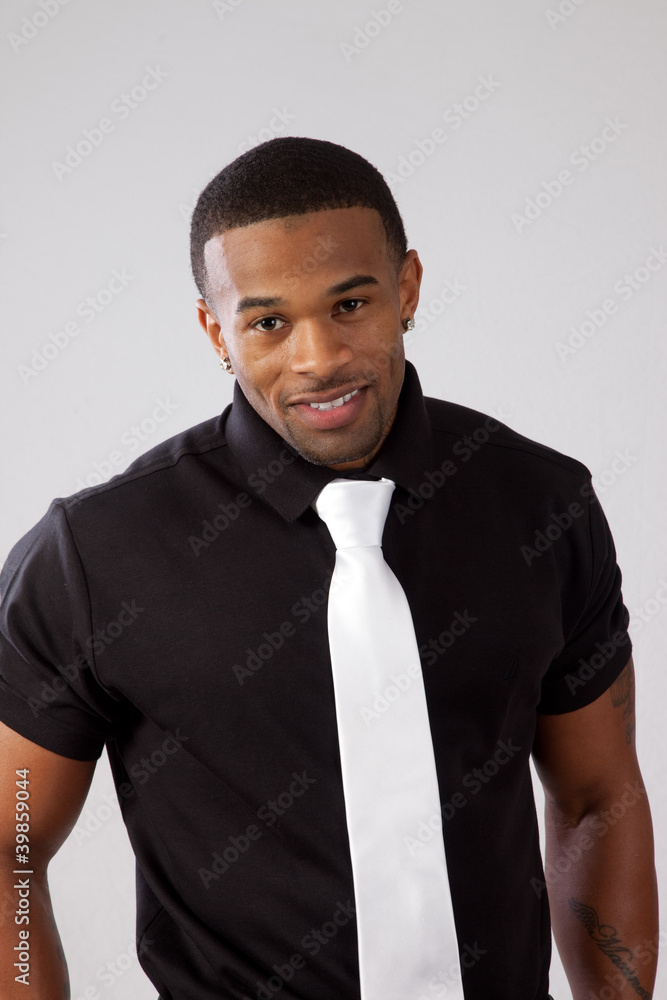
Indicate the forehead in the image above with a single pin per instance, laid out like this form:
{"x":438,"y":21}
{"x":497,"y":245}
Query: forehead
{"x":315,"y":245}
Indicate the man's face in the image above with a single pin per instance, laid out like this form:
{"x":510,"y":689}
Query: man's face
{"x":310,"y":307}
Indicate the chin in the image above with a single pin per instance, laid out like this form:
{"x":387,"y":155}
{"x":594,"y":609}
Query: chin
{"x":331,"y":457}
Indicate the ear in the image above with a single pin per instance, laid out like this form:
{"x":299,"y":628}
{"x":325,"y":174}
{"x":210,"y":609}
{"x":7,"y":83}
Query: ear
{"x":209,"y":322}
{"x":409,"y":282}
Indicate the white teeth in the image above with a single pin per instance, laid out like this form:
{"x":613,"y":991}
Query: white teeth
{"x":334,"y":402}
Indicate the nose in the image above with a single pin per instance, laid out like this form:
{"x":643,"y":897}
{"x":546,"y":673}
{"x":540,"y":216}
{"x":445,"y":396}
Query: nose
{"x":320,"y":347}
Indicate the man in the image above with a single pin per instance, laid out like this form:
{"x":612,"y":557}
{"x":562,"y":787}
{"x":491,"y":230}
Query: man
{"x":178,"y":615}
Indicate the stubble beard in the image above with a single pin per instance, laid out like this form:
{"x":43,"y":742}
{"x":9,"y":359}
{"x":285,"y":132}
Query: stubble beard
{"x":330,"y":450}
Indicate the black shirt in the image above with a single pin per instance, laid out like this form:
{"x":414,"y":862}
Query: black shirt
{"x":177,"y":614}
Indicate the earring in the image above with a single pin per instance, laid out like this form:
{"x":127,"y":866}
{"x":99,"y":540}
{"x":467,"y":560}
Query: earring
{"x":409,"y":324}
{"x":226,"y":365}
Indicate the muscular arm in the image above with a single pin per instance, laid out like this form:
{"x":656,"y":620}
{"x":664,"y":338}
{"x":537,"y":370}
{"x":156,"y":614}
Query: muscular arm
{"x":600,"y":870}
{"x":57,"y":790}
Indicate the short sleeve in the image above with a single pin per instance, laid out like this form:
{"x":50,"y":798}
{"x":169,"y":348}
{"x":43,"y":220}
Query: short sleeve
{"x":598,"y":645}
{"x":49,"y":692}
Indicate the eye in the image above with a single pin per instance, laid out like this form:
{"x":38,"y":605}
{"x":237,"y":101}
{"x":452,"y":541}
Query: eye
{"x":268,"y":320}
{"x":354,"y":303}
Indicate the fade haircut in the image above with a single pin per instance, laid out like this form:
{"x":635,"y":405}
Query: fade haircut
{"x":290,"y":175}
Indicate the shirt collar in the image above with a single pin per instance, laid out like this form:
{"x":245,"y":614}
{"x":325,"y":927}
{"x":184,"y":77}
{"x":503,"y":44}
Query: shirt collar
{"x":295,"y":482}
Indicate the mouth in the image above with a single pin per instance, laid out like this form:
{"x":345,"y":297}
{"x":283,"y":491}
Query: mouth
{"x":335,"y":412}
{"x":333,"y":395}
{"x":339,"y":401}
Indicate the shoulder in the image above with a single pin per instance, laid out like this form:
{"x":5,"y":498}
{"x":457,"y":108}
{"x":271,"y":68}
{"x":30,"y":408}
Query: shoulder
{"x":467,"y":432}
{"x":159,"y":488}
{"x":155,"y":470}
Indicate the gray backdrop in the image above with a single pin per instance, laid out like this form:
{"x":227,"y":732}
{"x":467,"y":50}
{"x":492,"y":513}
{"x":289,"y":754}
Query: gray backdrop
{"x":525,"y":144}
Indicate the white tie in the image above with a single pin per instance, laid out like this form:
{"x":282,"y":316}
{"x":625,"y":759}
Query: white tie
{"x":405,"y":923}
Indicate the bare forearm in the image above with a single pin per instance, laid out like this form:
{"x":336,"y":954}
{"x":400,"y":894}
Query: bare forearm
{"x":603,"y":897}
{"x":32,"y":963}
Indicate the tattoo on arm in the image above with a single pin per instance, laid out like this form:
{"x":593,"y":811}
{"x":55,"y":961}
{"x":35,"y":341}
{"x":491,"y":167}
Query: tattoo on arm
{"x":623,"y":694}
{"x":606,"y":938}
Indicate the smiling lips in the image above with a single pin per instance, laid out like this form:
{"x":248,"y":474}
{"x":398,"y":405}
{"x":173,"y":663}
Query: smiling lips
{"x":334,"y":402}
{"x":330,"y":396}
{"x":332,"y":413}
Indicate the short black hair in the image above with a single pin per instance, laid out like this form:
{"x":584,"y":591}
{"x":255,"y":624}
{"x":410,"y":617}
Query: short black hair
{"x":290,"y":175}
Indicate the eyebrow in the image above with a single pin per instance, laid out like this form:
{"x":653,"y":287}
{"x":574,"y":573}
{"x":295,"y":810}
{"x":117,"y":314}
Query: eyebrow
{"x":267,"y":302}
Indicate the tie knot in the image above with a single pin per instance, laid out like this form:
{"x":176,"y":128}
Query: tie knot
{"x":354,"y":510}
